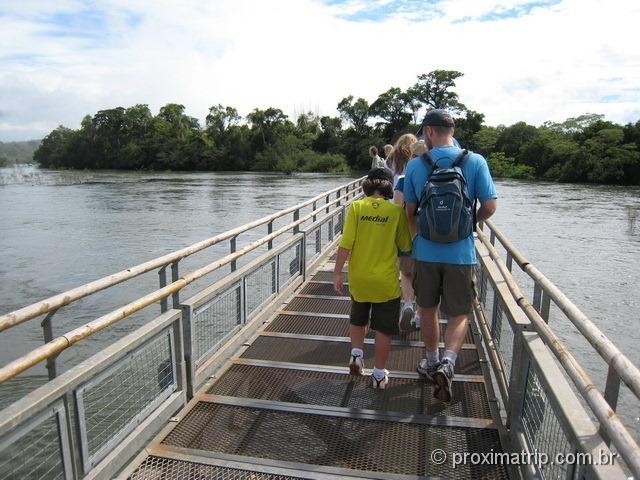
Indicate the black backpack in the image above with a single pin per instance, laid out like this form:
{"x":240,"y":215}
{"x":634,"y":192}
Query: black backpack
{"x":445,"y":212}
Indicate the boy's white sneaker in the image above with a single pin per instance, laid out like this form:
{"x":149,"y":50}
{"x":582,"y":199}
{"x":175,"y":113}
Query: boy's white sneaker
{"x":382,"y":383}
{"x":356,"y":365}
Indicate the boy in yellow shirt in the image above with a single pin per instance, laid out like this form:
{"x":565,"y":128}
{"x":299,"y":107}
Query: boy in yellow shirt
{"x":374,"y":230}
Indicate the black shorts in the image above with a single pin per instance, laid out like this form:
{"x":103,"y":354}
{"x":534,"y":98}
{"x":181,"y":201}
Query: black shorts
{"x":453,"y":284}
{"x":384,"y":316}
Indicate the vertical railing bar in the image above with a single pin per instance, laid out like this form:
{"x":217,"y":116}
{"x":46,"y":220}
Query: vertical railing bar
{"x":338,"y":196}
{"x":537,"y":296}
{"x":175,"y":275}
{"x":327,"y":201}
{"x":492,"y":237}
{"x":162,"y":274}
{"x":69,"y":442}
{"x":232,"y":249}
{"x":47,"y":333}
{"x":545,"y":307}
{"x":611,"y":393}
{"x":314,"y":206}
{"x":269,"y":232}
{"x":296,"y":217}
{"x":303,"y":256}
{"x":509,"y":261}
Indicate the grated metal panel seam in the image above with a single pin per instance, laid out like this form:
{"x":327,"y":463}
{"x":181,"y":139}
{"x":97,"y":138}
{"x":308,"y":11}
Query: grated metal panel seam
{"x":459,"y":377}
{"x":350,"y":413}
{"x":368,"y":341}
{"x":286,"y":322}
{"x":341,"y":306}
{"x":339,"y":389}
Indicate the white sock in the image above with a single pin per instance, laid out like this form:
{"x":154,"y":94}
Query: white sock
{"x":451,"y":356}
{"x":379,"y":373}
{"x":407,"y":304}
{"x":433,"y":357}
{"x":357,"y":352}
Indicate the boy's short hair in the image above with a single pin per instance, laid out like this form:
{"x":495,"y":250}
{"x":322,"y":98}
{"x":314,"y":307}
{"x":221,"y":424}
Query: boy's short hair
{"x":373,"y":151}
{"x":380,"y":180}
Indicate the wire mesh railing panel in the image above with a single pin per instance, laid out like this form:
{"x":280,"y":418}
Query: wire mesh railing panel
{"x":260,"y":286}
{"x":503,"y":336}
{"x":289,"y":264}
{"x":111,"y":404}
{"x":216,"y":319}
{"x":541,"y":427}
{"x":314,"y":245}
{"x":35,"y":454}
{"x":481,"y":283}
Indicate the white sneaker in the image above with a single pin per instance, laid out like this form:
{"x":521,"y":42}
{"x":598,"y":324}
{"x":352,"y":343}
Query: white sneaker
{"x":406,"y":317}
{"x":415,"y":323}
{"x":382,"y":383}
{"x":356,"y":365}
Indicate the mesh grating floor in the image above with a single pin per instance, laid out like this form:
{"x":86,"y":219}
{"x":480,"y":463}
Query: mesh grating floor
{"x":337,"y":354}
{"x":341,"y":390}
{"x":334,"y":327}
{"x":160,"y":468}
{"x":319,"y":305}
{"x":323,"y":289}
{"x":370,"y":445}
{"x":326,"y":276}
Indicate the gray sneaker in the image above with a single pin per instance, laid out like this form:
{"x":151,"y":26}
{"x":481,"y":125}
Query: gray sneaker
{"x":406,"y":318}
{"x":442,"y":378}
{"x":427,"y":371}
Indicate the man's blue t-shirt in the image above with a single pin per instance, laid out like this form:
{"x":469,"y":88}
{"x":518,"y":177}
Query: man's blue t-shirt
{"x":479,"y":185}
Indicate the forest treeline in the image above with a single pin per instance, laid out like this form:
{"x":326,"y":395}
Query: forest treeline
{"x":587,"y":148}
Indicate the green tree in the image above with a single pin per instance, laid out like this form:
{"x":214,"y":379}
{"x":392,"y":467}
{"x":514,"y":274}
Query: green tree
{"x":435,"y":90}
{"x":356,"y":113}
{"x":392,"y":106}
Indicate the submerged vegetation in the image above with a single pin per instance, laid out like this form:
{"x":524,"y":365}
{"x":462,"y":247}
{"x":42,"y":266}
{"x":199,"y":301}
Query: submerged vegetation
{"x":583,"y":149}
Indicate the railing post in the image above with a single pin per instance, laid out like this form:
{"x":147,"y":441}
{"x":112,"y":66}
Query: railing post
{"x":47,"y":330}
{"x":232,"y":249}
{"x":162,"y":274}
{"x":337,"y":197}
{"x":303,"y":256}
{"x":509,"y":261}
{"x":611,"y":392}
{"x":545,"y":307}
{"x":537,"y":297}
{"x":269,"y":232}
{"x":492,"y":238}
{"x":517,"y":387}
{"x":296,"y":217}
{"x":175,"y":275}
{"x":327,"y":201}
{"x":314,"y":206}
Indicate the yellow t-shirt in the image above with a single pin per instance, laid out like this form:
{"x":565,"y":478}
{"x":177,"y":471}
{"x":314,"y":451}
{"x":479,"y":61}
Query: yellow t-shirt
{"x":374,"y":230}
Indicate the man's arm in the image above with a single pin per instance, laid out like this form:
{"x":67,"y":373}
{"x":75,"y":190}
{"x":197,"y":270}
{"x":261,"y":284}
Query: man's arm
{"x":487,"y":208}
{"x":338,"y":279}
{"x":410,"y":208}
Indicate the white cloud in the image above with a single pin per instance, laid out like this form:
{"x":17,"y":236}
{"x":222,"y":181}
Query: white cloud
{"x":575,"y":57}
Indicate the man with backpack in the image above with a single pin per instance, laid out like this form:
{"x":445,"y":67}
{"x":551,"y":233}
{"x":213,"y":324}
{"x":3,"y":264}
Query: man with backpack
{"x":440,"y":190}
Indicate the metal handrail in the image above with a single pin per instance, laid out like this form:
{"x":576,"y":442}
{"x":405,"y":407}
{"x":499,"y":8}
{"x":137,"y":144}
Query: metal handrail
{"x":53,"y":303}
{"x":627,"y":371}
{"x":609,"y":421}
{"x":62,"y":342}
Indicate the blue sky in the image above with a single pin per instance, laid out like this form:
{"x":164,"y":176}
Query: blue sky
{"x":522,"y":59}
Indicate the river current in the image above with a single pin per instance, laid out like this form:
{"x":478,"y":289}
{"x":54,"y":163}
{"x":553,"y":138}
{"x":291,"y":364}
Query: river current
{"x":59,"y":230}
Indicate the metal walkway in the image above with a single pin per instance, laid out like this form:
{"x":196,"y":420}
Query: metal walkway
{"x":247,"y":379}
{"x":286,"y":407}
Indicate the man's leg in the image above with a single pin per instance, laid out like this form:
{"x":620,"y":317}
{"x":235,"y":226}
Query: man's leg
{"x":457,"y":300}
{"x":427,"y":283}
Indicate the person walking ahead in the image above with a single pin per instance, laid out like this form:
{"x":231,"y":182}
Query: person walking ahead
{"x":444,"y":271}
{"x":374,"y":230}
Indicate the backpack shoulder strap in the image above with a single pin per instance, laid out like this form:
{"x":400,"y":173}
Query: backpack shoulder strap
{"x":428,"y":160}
{"x":461,"y":158}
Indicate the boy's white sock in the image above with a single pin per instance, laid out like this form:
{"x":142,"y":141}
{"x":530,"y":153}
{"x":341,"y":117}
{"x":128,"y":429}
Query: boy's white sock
{"x":451,"y":356}
{"x":408,"y":304}
{"x":357,"y":352}
{"x":379,"y":373}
